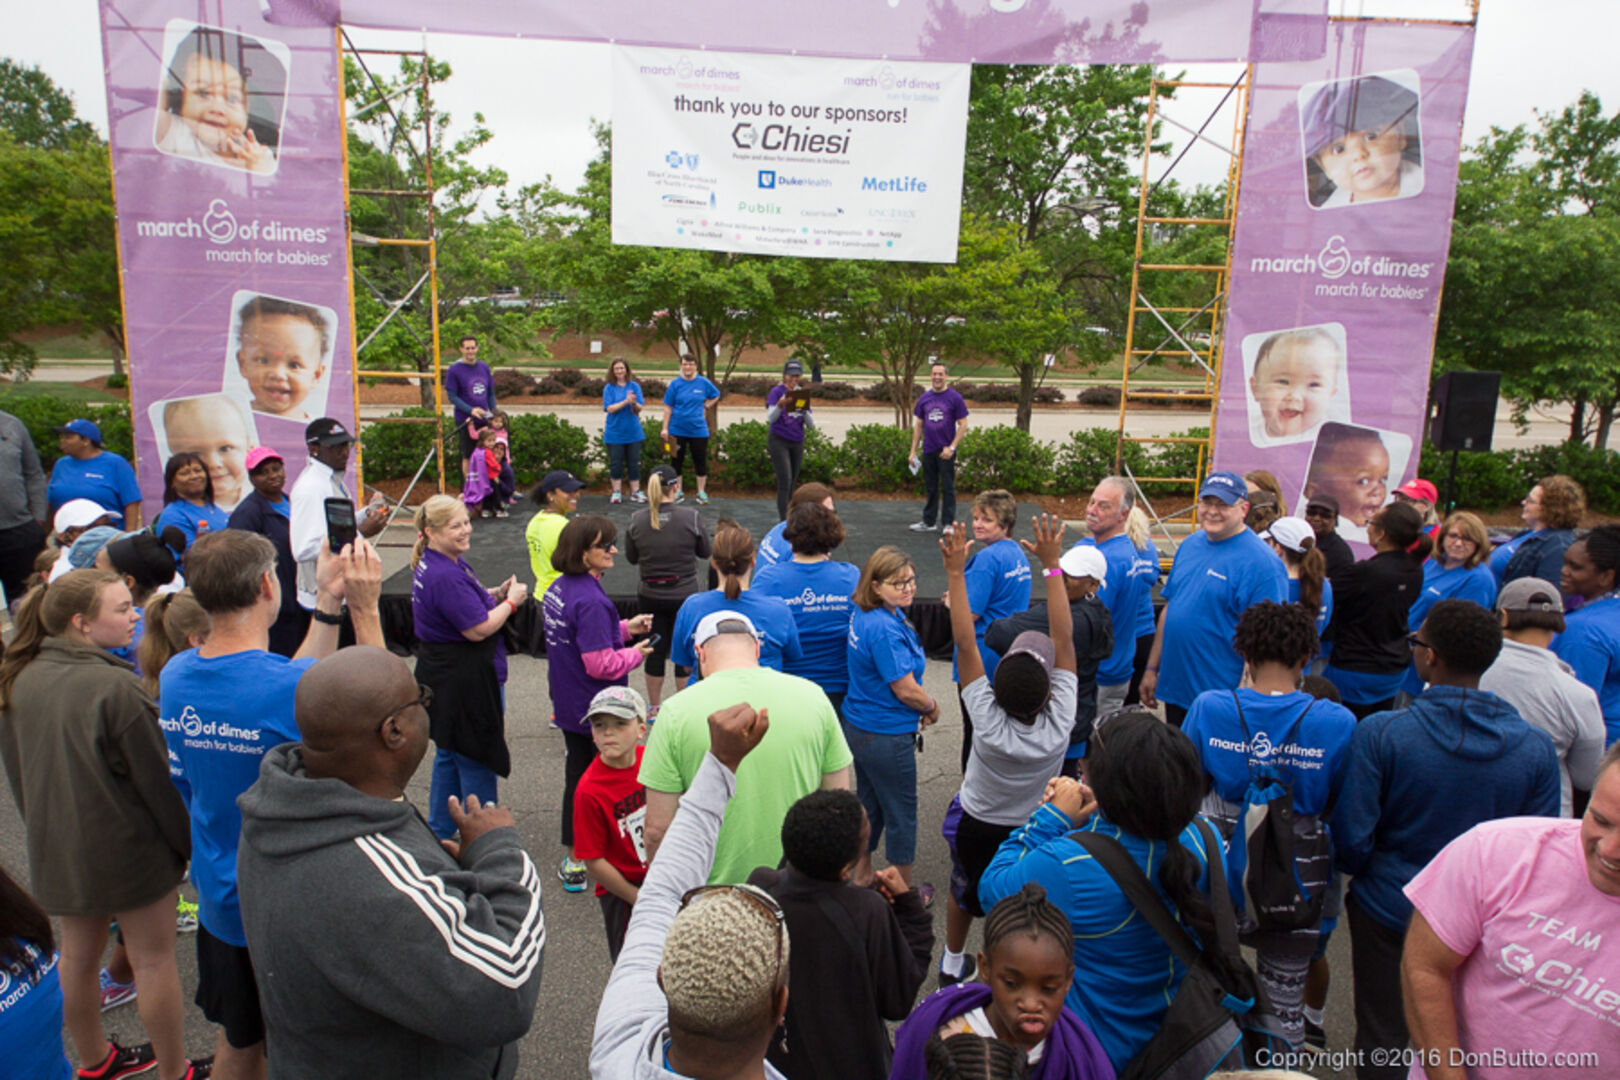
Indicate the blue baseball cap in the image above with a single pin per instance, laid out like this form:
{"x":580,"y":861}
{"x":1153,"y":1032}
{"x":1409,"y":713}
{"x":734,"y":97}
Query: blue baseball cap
{"x":80,"y":427}
{"x":1228,"y":487}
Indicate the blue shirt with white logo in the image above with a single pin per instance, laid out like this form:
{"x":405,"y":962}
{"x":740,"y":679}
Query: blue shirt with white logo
{"x":106,"y":480}
{"x":1313,"y":759}
{"x":998,"y":585}
{"x":1458,"y":583}
{"x":220,"y":715}
{"x":1590,"y":644}
{"x":686,"y":399}
{"x":623,"y":426}
{"x":1212,"y":584}
{"x":773,"y":549}
{"x":818,"y":595}
{"x":882,"y":648}
{"x":769,"y":615}
{"x":31,"y":1017}
{"x":1122,"y":595}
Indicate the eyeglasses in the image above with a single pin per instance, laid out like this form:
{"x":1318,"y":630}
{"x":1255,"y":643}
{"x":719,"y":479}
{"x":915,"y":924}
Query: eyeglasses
{"x":424,"y":698}
{"x":608,"y":545}
{"x":765,"y":901}
{"x":1417,"y":643}
{"x":905,"y":585}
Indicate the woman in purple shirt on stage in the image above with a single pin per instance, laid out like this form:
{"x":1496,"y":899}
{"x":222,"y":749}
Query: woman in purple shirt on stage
{"x":587,"y":649}
{"x":787,"y":410}
{"x":460,"y":659}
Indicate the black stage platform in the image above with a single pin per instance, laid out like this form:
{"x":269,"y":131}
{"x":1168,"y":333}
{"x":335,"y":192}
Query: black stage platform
{"x":499,"y":549}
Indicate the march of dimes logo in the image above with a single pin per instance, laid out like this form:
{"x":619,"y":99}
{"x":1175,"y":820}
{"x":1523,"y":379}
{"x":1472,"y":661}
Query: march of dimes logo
{"x":222,"y":228}
{"x":1336,"y":261}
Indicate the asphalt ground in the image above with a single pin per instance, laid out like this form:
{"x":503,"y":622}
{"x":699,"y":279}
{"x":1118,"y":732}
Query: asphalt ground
{"x":576,"y":963}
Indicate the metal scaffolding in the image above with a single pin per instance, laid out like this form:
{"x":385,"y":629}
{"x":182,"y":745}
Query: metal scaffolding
{"x":399,"y":309}
{"x":1188,"y":333}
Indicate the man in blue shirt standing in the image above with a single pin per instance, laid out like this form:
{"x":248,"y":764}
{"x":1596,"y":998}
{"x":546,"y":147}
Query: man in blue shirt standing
{"x":941,"y":421}
{"x":1217,"y":574}
{"x":223,"y":706}
{"x":470,"y":387}
{"x":1111,"y":503}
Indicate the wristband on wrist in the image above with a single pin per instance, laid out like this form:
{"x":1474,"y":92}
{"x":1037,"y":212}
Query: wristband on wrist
{"x":511,"y":603}
{"x":1150,"y":667}
{"x":326,"y":618}
{"x":1052,"y":571}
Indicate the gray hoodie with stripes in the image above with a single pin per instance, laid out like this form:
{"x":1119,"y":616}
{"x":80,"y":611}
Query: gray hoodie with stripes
{"x":376,"y":953}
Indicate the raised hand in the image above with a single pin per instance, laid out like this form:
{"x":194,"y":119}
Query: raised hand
{"x":953,"y":548}
{"x":1048,"y":545}
{"x":736,"y":730}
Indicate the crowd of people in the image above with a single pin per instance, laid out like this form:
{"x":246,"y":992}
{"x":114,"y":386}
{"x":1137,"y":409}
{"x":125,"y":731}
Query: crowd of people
{"x":1420,"y":743}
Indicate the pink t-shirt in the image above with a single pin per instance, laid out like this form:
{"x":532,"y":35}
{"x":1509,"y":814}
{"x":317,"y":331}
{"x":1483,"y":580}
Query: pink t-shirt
{"x":1542,"y":974}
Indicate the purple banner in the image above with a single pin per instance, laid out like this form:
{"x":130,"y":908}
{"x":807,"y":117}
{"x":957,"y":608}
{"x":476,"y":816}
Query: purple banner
{"x":982,"y":31}
{"x":1344,"y":221}
{"x":228,"y":171}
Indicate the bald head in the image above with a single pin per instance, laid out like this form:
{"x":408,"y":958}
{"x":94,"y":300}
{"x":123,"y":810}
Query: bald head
{"x":341,"y":698}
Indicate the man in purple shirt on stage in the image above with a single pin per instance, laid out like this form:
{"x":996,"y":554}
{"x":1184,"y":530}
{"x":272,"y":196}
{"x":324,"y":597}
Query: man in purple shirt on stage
{"x":470,"y":387}
{"x":941,"y":421}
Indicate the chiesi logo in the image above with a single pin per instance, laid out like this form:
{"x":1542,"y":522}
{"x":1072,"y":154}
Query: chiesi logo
{"x":221,"y":226}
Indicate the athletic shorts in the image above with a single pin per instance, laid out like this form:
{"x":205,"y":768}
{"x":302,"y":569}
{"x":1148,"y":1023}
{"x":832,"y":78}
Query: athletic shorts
{"x":226,"y":992}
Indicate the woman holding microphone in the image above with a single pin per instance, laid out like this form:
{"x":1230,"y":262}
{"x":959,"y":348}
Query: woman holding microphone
{"x":787,"y":411}
{"x":886,"y":706}
{"x":460,"y":659}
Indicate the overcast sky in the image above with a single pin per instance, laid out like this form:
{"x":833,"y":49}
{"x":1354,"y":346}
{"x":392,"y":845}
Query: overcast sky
{"x":539,"y":97}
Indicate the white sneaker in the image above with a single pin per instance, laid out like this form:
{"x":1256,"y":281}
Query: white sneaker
{"x":923,"y":526}
{"x":638,"y":497}
{"x":616,"y":498}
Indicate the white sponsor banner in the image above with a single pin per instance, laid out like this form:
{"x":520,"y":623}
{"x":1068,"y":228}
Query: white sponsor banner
{"x":777,"y":155}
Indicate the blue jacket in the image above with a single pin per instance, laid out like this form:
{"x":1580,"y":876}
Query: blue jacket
{"x":1542,"y":556}
{"x":1422,"y":776}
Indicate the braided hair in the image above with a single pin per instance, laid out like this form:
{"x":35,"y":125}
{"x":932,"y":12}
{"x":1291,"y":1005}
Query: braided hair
{"x":1027,"y":911}
{"x":966,"y":1056}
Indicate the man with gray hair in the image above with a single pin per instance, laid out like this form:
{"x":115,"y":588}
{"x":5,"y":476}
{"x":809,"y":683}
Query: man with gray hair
{"x":1127,"y":593}
{"x":807,"y":750}
{"x":1529,"y":676}
{"x":719,"y":953}
{"x":222,"y":707}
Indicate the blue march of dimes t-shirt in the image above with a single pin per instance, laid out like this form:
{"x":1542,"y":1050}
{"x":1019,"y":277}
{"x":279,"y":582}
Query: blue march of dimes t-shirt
{"x":1212,"y":584}
{"x":106,"y":480}
{"x":1313,"y":760}
{"x":998,"y":585}
{"x":31,"y":1018}
{"x":220,"y":715}
{"x":818,"y":596}
{"x":882,"y":648}
{"x":686,"y":398}
{"x":769,"y":615}
{"x":773,"y":548}
{"x":1122,"y":595}
{"x":623,"y":426}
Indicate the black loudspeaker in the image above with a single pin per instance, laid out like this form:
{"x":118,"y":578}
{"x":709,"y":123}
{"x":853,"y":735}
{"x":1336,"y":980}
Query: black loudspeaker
{"x":1465,"y":410}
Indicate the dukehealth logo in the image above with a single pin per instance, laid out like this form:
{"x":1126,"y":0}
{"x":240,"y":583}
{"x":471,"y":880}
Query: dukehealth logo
{"x":767,"y":178}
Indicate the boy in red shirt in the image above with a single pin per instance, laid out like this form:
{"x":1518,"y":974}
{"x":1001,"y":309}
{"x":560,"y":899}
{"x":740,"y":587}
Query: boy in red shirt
{"x":610,"y":808}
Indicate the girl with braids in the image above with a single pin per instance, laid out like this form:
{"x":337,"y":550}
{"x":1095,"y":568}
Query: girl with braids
{"x":460,"y":658}
{"x":1309,"y":748}
{"x":1590,"y":642}
{"x":967,"y":1056}
{"x":1370,"y":620}
{"x":1457,"y":571}
{"x":82,"y":748}
{"x":1028,"y":972}
{"x":1294,"y":541}
{"x":732,"y":558}
{"x":664,"y":542}
{"x":1145,"y":789}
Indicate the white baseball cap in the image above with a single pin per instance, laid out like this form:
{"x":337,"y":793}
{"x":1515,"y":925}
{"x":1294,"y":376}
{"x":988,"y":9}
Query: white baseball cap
{"x":78,"y":513}
{"x":1084,"y":560}
{"x":1292,"y":533}
{"x":709,"y":625}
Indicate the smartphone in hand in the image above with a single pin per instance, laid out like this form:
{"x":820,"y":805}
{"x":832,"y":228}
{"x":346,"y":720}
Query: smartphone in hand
{"x":340,"y":524}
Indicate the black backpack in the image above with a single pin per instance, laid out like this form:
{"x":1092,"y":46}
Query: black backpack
{"x":1276,"y":857}
{"x":1207,"y":1022}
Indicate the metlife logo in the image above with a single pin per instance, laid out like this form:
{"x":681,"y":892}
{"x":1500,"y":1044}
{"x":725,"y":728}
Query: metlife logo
{"x":221,"y":227}
{"x":1335,"y":261}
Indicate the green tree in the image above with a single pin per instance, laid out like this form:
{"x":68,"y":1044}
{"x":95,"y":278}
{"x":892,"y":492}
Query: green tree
{"x":36,"y":112}
{"x":1533,"y":278}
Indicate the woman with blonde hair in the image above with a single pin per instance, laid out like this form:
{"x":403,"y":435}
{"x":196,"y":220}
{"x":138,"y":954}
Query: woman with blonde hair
{"x":1457,"y":570}
{"x":1138,"y":526}
{"x":175,"y":622}
{"x":460,"y":659}
{"x":732,"y":557}
{"x":107,"y":831}
{"x":664,"y":542}
{"x":1552,"y":511}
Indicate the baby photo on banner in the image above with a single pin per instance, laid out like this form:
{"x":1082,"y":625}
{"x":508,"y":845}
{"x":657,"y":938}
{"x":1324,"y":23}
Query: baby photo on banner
{"x":222,"y":98}
{"x":1343,"y":227}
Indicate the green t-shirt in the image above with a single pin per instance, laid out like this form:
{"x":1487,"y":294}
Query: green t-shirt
{"x":803,"y":742}
{"x":542,"y":533}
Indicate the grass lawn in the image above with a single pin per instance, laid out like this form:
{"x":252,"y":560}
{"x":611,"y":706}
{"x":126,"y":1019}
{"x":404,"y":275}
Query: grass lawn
{"x":69,"y":392}
{"x":73,"y":347}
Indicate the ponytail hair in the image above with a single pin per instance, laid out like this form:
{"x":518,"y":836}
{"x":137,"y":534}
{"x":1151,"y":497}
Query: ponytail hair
{"x":1402,"y":527}
{"x":655,"y":496}
{"x":1312,"y":567}
{"x":435,"y":513}
{"x":47,"y":611}
{"x":172,"y":620}
{"x":1137,"y":528}
{"x":733,"y":557}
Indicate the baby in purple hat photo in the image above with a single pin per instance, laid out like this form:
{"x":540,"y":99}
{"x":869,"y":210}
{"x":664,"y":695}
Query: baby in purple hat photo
{"x":1361,"y":139}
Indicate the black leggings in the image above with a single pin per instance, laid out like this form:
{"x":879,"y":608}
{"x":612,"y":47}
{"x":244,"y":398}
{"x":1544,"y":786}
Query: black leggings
{"x":663,"y":614}
{"x":786,"y":458}
{"x":700,"y":455}
{"x":581,"y":752}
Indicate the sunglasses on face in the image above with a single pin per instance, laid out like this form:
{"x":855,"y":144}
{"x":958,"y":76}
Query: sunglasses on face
{"x":424,"y":698}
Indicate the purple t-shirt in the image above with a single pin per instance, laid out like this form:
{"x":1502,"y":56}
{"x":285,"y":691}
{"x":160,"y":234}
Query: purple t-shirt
{"x":447,"y":599}
{"x":939,"y":413}
{"x":471,"y":383}
{"x":579,"y":619}
{"x":786,"y":426}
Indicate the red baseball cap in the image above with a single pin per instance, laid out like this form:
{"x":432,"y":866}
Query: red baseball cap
{"x":1419,"y":489}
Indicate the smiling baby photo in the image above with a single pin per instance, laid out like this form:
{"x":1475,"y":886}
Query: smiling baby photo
{"x":222,"y":97}
{"x":280,"y":355}
{"x":1297,"y":380}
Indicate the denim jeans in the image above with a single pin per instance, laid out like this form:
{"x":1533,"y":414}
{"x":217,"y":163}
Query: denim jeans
{"x":886,"y":783}
{"x":939,"y":480}
{"x":624,"y":458}
{"x":461,"y":776}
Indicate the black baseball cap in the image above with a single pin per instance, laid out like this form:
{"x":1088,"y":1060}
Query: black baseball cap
{"x":1330,"y":503}
{"x":793,"y":367}
{"x":560,"y":480}
{"x":327,"y":432}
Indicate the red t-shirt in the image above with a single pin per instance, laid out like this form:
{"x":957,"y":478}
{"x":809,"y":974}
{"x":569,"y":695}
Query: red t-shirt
{"x":610,"y":811}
